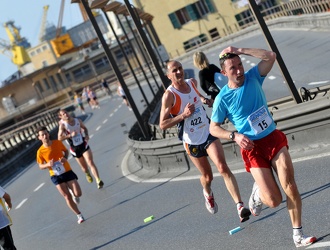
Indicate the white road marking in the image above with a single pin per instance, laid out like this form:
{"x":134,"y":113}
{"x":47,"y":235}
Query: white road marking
{"x":39,"y":187}
{"x":22,"y":202}
{"x":134,"y":178}
{"x":272,"y":77}
{"x":316,"y":83}
{"x":252,"y":64}
{"x":319,"y":244}
{"x":70,"y":157}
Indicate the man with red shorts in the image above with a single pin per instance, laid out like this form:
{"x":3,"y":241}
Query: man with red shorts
{"x":263,"y":147}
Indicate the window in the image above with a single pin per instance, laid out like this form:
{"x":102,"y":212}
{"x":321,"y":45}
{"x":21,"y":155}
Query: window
{"x":244,"y":18}
{"x":101,"y":63}
{"x":59,"y":79}
{"x":81,"y":72}
{"x":44,"y":64}
{"x":68,"y":77}
{"x":53,"y":82}
{"x":46,"y":83}
{"x":39,"y":87}
{"x":191,"y":12}
{"x":119,"y":55}
{"x":38,"y":50}
{"x":214,"y":34}
{"x":44,"y":47}
{"x":32,"y":53}
{"x":183,"y":16}
{"x":194,"y":42}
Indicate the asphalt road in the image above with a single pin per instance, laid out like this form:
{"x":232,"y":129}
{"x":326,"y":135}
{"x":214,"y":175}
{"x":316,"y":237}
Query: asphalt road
{"x":115,"y":215}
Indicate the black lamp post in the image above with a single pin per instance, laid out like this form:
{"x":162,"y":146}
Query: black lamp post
{"x":120,"y":78}
{"x":272,"y":45}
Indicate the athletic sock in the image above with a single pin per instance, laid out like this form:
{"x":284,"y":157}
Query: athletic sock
{"x":297,"y":231}
{"x":239,"y":204}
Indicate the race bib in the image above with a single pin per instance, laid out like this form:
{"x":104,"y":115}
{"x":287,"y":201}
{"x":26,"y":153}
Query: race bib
{"x":195,"y":121}
{"x":77,"y":139}
{"x":259,"y":120}
{"x":58,"y":168}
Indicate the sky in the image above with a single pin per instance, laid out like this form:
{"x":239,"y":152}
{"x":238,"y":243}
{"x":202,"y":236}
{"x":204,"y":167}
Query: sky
{"x":28,"y":16}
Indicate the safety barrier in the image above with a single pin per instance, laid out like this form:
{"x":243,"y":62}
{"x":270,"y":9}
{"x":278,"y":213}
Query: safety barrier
{"x":303,"y":123}
{"x":18,"y":143}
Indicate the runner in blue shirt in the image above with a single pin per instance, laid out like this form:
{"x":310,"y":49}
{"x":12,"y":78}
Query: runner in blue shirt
{"x":264,"y":149}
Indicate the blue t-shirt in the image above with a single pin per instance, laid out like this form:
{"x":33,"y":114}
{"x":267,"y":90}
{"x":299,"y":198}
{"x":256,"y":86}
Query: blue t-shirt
{"x":246,"y":107}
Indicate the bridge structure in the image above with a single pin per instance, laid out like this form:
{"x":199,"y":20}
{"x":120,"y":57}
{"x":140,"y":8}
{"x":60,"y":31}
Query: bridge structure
{"x":163,"y":152}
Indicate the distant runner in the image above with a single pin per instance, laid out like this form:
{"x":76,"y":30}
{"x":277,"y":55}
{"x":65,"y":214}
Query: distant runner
{"x":75,"y":132}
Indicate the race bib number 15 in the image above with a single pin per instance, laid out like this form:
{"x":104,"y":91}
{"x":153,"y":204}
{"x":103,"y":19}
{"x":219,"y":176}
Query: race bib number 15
{"x":259,"y":120}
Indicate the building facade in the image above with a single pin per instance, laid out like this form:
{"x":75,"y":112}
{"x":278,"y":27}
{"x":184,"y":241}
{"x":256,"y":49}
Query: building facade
{"x":183,"y":25}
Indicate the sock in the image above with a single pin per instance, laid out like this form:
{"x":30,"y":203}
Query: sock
{"x":98,"y":180}
{"x":297,"y":231}
{"x":239,"y":204}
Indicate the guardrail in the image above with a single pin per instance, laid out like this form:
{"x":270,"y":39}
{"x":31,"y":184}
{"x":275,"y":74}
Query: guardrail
{"x":293,"y":9}
{"x":308,"y":121}
{"x":18,"y":143}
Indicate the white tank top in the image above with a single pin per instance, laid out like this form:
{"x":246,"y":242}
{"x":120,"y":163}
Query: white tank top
{"x":78,"y":138}
{"x":195,"y":129}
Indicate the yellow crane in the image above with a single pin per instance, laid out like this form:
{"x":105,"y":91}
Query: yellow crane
{"x":17,"y":45}
{"x":43,"y":23}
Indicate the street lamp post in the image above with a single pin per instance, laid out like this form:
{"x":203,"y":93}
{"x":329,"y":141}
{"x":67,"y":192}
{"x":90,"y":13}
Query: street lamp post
{"x":272,"y":45}
{"x":125,"y":56}
{"x":164,"y":79}
{"x":115,"y":68}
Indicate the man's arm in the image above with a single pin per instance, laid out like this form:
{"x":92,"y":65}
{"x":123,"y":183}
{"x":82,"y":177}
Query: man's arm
{"x":267,"y":57}
{"x":165,"y":119}
{"x":61,"y":133}
{"x":65,"y":156}
{"x":83,"y":127}
{"x":208,"y":102}
{"x":241,"y":140}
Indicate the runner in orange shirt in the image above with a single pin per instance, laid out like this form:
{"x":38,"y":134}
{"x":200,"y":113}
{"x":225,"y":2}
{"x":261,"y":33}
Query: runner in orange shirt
{"x":52,"y":155}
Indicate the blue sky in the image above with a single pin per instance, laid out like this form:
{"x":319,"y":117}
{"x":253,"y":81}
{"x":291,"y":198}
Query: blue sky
{"x":28,"y":15}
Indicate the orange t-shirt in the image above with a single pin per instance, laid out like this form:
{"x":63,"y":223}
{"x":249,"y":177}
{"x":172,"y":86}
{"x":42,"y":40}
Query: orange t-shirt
{"x":55,"y":151}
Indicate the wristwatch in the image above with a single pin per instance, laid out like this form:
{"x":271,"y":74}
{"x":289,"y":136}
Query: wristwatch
{"x":232,"y":136}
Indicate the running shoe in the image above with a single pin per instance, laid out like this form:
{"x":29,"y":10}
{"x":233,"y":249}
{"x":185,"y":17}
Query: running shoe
{"x":210,"y":203}
{"x":80,"y":219}
{"x":243,"y":213}
{"x":74,"y":198}
{"x":89,"y":178}
{"x":303,"y":241}
{"x":100,"y":184}
{"x":255,"y":204}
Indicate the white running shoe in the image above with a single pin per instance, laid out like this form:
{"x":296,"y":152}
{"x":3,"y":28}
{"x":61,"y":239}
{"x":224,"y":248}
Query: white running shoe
{"x":80,"y":218}
{"x":210,"y":203}
{"x":303,"y":241}
{"x":255,"y":205}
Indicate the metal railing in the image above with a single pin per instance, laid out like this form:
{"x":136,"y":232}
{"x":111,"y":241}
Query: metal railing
{"x":292,"y":8}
